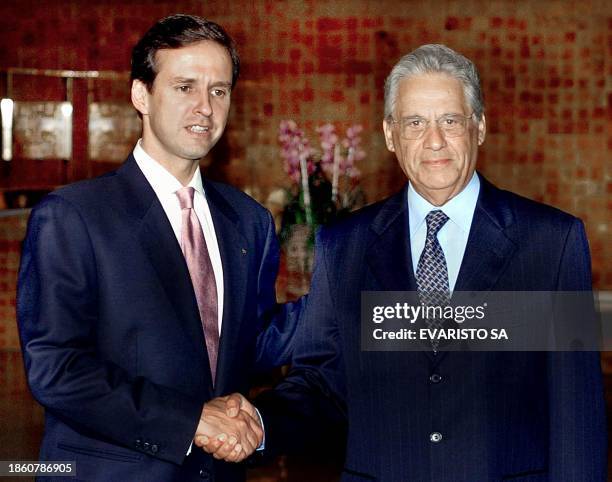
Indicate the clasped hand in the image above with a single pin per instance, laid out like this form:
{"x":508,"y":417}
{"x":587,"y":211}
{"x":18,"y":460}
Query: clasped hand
{"x":229,"y":428}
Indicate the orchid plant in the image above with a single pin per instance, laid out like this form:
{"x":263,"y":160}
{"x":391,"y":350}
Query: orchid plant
{"x":325,"y":179}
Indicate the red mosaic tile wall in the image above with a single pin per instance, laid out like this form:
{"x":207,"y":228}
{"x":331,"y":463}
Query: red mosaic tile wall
{"x":545,"y":66}
{"x":12,"y":231}
{"x":546,"y":69}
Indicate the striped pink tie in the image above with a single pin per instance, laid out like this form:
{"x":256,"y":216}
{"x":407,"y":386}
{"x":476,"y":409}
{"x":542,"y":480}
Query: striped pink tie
{"x":202,"y":275}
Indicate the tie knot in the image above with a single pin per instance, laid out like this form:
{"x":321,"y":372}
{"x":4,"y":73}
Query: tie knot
{"x":185,"y":197}
{"x":435,"y":220}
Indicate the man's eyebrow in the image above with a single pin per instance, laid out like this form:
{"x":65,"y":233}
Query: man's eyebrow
{"x":413,"y":116}
{"x":189,"y":80}
{"x":184,"y":80}
{"x":222,"y":84}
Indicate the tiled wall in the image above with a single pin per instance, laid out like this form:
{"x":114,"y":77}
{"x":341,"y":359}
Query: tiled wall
{"x":12,"y":231}
{"x":546,"y":69}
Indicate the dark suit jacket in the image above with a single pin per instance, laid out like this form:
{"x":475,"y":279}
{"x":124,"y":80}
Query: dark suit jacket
{"x":502,"y":415}
{"x":110,"y":331}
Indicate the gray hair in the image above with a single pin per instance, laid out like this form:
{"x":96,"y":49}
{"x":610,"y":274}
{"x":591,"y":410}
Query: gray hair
{"x":436,"y":58}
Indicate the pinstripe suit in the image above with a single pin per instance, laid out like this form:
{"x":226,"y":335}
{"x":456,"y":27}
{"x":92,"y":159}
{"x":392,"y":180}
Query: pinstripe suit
{"x":528,"y":416}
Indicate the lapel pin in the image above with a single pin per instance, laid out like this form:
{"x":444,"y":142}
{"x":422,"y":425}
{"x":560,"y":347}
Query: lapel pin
{"x":243,"y":250}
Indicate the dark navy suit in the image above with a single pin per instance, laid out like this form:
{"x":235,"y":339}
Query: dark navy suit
{"x":111,"y":335}
{"x":528,"y":416}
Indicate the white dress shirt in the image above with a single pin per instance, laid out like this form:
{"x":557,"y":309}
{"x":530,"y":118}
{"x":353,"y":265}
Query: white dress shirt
{"x":453,"y":236}
{"x":165,"y":186}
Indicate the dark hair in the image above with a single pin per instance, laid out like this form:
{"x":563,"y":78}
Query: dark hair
{"x":175,"y":32}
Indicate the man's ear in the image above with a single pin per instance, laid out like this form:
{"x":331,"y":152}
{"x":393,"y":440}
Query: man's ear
{"x":140,"y":96}
{"x":482,"y":130}
{"x":388,"y":130}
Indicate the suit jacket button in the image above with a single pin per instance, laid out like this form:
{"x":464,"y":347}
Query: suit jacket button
{"x":204,"y":474}
{"x":435,"y":437}
{"x":435,"y":378}
{"x":146,"y":446}
{"x":138,"y":443}
{"x":154,"y":448}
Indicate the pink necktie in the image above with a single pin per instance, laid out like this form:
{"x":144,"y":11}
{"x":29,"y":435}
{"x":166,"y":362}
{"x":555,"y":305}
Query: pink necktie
{"x":202,"y":275}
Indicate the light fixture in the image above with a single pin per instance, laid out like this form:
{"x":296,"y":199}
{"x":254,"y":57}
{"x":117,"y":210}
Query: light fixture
{"x":6,"y":107}
{"x":66,"y":110}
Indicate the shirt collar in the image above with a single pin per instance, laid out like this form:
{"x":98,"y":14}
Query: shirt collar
{"x":162,"y":182}
{"x":460,"y":209}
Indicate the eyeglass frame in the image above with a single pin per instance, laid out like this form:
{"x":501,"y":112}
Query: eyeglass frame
{"x":428,"y":123}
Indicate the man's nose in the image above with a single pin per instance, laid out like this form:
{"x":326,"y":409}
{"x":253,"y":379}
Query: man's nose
{"x":434,"y":137}
{"x":203,"y":105}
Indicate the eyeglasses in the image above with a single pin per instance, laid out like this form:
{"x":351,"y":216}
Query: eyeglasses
{"x":451,"y":125}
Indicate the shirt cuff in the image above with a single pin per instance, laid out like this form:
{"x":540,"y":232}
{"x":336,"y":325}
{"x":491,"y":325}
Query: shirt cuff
{"x":262,"y":446}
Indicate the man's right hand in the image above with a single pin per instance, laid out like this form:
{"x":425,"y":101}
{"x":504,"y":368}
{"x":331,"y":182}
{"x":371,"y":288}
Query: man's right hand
{"x":229,"y":428}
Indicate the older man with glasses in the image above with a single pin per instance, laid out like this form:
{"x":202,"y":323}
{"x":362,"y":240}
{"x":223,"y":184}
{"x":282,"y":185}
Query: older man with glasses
{"x":434,"y":414}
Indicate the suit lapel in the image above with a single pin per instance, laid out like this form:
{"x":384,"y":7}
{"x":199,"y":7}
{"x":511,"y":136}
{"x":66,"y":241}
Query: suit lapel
{"x":388,"y":255}
{"x":488,"y":249}
{"x":159,"y":243}
{"x":234,"y":258}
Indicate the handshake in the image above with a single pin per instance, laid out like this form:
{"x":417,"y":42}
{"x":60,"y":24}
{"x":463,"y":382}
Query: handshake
{"x":229,"y":428}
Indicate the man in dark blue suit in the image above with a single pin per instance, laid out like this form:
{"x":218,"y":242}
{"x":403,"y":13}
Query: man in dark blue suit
{"x":146,"y":293}
{"x":434,"y":415}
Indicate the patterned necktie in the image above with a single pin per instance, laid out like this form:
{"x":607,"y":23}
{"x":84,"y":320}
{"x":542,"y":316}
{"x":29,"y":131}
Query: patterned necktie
{"x":201,"y":272}
{"x":432,"y":274}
